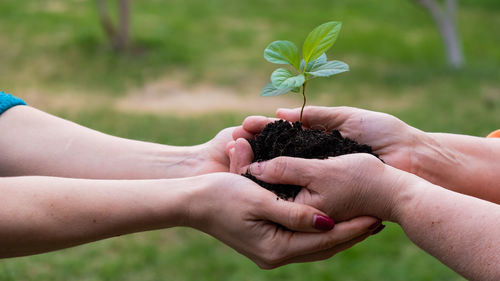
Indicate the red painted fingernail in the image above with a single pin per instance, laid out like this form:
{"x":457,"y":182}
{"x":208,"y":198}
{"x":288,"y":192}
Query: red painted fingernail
{"x":378,"y":229}
{"x":375,"y":225}
{"x":323,"y":222}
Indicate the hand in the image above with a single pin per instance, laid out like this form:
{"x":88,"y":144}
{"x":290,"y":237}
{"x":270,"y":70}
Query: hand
{"x":251,"y":220}
{"x":214,"y":154}
{"x":344,"y":187}
{"x":390,"y":138}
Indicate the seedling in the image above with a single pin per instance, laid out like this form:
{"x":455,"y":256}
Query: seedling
{"x":313,"y":64}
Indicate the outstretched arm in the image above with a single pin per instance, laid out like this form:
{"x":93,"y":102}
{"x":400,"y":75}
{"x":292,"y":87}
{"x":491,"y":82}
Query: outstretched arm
{"x":36,"y":143}
{"x":459,"y":230}
{"x":40,"y":214}
{"x":465,"y":164}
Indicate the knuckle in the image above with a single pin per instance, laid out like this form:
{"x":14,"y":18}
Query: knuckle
{"x":328,"y":243}
{"x":296,"y":217}
{"x":310,"y":171}
{"x":280,"y":167}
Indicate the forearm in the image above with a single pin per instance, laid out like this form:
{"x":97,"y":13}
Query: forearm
{"x":459,"y":230}
{"x":466,"y":164}
{"x":37,"y":143}
{"x":40,"y":214}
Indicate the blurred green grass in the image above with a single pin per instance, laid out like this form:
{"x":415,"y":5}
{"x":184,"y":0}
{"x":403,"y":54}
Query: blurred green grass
{"x":397,"y":65}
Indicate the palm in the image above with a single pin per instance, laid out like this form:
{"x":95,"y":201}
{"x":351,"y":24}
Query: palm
{"x":389,"y":137}
{"x":215,"y":156}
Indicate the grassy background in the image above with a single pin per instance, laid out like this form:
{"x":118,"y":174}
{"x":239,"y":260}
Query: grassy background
{"x":57,"y":48}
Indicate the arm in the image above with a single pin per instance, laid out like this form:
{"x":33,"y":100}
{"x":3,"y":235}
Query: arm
{"x":460,"y":163}
{"x":466,"y":164}
{"x":40,"y":214}
{"x":461,"y":231}
{"x":36,"y":143}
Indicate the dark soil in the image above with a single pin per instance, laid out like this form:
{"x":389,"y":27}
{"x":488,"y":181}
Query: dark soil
{"x":284,"y":139}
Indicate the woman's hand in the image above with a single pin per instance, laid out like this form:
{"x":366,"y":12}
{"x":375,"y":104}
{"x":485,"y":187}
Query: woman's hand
{"x":270,"y":231}
{"x":461,"y":231}
{"x":390,"y":138}
{"x":342,"y":187}
{"x":213,"y":155}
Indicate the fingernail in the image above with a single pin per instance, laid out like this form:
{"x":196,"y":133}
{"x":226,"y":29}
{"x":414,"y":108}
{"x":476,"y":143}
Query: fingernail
{"x":323,"y":222}
{"x":375,"y":225}
{"x":378,"y":229}
{"x":257,"y":168}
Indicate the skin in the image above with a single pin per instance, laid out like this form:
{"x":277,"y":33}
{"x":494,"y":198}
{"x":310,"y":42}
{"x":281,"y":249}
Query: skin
{"x":64,"y":185}
{"x":38,"y":143}
{"x":461,"y":163}
{"x":459,"y":230}
{"x":45,"y":214}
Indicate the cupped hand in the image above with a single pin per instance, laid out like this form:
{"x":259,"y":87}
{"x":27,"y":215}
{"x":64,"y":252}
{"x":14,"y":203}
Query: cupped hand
{"x":344,"y":187}
{"x":213,"y":155}
{"x":390,"y":138}
{"x":270,"y":231}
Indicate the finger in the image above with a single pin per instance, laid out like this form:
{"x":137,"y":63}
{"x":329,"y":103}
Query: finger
{"x":286,"y":170}
{"x":255,"y":124}
{"x":239,"y":132}
{"x":296,"y":217}
{"x":241,"y":156}
{"x":318,"y":117}
{"x":228,"y":148}
{"x":302,"y":244}
{"x":325,"y":254}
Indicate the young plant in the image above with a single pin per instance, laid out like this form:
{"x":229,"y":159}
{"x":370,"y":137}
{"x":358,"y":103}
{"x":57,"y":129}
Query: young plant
{"x":313,"y":64}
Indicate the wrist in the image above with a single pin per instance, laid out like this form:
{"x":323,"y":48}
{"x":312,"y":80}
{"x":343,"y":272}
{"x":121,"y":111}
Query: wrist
{"x":168,"y":201}
{"x":179,"y":161}
{"x":198,"y":201}
{"x":418,"y":149}
{"x":404,"y":196}
{"x":434,"y":158}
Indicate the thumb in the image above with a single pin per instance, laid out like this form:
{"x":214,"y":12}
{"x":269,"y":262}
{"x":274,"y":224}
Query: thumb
{"x":297,"y":217}
{"x":317,"y":117}
{"x":286,"y":170}
{"x":289,"y":114}
{"x":240,"y":156}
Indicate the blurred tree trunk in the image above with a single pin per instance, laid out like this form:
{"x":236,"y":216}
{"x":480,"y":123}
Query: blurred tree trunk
{"x":118,"y":35}
{"x":444,"y":17}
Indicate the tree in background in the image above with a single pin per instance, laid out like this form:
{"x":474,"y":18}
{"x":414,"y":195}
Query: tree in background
{"x":118,"y":35}
{"x":444,"y":17}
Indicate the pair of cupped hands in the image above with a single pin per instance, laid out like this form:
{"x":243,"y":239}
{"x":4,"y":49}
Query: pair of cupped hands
{"x":357,"y":191}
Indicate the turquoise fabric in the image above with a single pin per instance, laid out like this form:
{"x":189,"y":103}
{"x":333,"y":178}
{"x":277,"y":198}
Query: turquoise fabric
{"x":7,"y":101}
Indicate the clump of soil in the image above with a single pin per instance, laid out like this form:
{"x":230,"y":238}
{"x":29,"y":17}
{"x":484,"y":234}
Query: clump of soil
{"x":282,"y":138}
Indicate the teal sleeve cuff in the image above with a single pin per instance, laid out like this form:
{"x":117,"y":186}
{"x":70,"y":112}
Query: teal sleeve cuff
{"x":7,"y":101}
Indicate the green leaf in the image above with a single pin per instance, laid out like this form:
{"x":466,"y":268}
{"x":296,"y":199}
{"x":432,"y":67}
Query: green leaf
{"x":321,"y":60}
{"x":295,"y":90}
{"x":282,"y":52}
{"x":328,"y":69}
{"x":320,"y":40}
{"x":269,"y":90}
{"x":284,"y":78}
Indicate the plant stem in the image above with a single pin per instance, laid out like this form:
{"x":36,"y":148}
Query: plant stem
{"x":303,"y":104}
